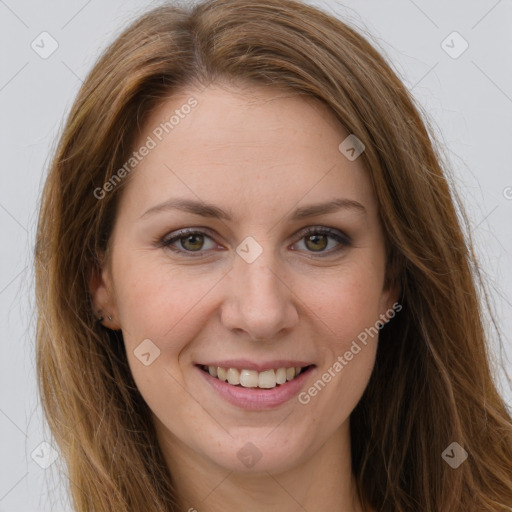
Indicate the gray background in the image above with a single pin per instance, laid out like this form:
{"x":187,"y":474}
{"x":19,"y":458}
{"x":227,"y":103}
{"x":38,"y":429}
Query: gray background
{"x":468,"y":99}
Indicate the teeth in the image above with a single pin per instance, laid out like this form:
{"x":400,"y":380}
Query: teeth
{"x":248,"y":378}
{"x":233,"y":376}
{"x":281,"y":376}
{"x":267,"y":379}
{"x":253,"y":379}
{"x":222,"y":374}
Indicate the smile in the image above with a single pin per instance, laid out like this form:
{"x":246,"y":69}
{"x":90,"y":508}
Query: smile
{"x":267,"y":379}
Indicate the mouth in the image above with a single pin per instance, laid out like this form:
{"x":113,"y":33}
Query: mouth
{"x":247,"y":378}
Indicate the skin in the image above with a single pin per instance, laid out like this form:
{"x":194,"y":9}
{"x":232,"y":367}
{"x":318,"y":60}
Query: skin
{"x":260,"y":153}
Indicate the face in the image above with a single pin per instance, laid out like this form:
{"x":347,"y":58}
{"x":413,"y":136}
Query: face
{"x":226,"y":260}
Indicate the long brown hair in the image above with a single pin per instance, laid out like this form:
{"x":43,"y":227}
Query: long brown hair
{"x":432,"y":383}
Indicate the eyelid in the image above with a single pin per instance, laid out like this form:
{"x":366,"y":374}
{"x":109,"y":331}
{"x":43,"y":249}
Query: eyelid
{"x":179,"y":233}
{"x":324,"y":230}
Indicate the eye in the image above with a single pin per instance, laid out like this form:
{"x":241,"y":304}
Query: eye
{"x":316,"y":240}
{"x":191,"y":241}
{"x":188,"y":241}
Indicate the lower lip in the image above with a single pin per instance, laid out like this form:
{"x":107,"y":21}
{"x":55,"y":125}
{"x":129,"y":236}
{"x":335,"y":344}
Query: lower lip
{"x":257,"y":399}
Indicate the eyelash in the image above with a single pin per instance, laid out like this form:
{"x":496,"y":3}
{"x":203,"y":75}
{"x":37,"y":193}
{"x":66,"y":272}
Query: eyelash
{"x":340,"y":237}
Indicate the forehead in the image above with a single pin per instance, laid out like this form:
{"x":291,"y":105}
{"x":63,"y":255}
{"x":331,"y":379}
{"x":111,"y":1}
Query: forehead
{"x":244,"y":145}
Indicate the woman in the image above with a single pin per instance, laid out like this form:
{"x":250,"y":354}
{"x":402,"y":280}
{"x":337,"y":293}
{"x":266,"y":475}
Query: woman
{"x":254,"y":291}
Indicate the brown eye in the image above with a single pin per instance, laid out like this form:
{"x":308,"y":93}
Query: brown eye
{"x":316,"y":242}
{"x":189,"y":242}
{"x":192,"y":242}
{"x":323,"y":241}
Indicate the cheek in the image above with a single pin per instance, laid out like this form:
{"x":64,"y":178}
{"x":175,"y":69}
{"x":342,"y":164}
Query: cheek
{"x":349,"y":312}
{"x":160,"y":302}
{"x":160,"y":313}
{"x":347,"y":302}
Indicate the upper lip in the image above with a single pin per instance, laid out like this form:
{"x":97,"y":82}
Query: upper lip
{"x":244,"y":364}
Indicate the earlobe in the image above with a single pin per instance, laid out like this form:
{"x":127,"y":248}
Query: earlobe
{"x":391,"y":304}
{"x":102,"y":297}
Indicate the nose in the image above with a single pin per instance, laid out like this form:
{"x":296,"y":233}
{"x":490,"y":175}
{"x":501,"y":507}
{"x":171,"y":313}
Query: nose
{"x":259,"y":299}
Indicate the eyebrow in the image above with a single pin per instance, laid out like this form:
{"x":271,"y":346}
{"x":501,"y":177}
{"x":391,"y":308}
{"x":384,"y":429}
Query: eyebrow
{"x":210,"y":210}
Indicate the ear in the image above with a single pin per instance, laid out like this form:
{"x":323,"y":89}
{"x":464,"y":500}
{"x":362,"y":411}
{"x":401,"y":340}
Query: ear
{"x":390,"y":301}
{"x":392,"y":286}
{"x":103,"y":296}
{"x":390,"y":296}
